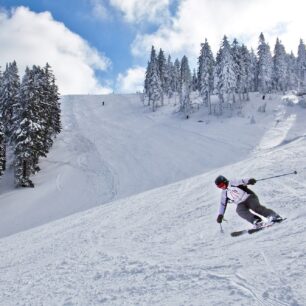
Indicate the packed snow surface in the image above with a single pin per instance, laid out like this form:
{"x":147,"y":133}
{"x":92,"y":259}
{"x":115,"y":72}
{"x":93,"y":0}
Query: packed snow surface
{"x":143,"y":232}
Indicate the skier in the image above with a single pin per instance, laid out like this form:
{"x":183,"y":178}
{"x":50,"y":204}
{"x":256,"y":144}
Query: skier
{"x":237,"y":192}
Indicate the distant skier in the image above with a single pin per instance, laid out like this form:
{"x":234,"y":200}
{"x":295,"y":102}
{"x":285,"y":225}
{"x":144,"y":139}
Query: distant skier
{"x":237,"y":192}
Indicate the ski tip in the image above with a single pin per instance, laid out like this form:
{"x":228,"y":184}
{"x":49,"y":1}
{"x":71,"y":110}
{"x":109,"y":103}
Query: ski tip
{"x":238,"y":233}
{"x":279,"y":221}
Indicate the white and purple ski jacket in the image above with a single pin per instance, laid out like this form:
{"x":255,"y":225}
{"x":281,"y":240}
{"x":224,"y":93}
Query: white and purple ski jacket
{"x":233,"y":193}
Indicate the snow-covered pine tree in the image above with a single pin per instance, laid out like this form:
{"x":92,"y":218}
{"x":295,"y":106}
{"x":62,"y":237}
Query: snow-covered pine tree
{"x":225,"y":73}
{"x":26,"y":137}
{"x":265,"y":65}
{"x":176,"y":76}
{"x":1,"y":83}
{"x":242,"y":67}
{"x":246,"y":76}
{"x":185,"y":86}
{"x":292,"y":80}
{"x":206,"y":63}
{"x":53,"y":99}
{"x":194,"y":81}
{"x":280,"y":68}
{"x":253,"y":71}
{"x":155,"y":88}
{"x":2,"y":149}
{"x":49,"y":102}
{"x":153,"y":83}
{"x":236,"y":54}
{"x":162,"y":72}
{"x":301,"y":66}
{"x":146,"y":83}
{"x":241,"y":60}
{"x":168,"y":77}
{"x":147,"y":76}
{"x":43,"y":139}
{"x":9,"y":98}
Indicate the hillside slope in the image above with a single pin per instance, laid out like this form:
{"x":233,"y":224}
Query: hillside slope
{"x":163,"y":246}
{"x":109,"y":152}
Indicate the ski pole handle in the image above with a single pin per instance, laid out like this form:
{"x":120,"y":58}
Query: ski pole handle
{"x":270,"y":177}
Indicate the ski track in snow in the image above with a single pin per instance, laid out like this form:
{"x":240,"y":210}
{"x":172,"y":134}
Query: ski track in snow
{"x":163,"y":246}
{"x":88,"y":159}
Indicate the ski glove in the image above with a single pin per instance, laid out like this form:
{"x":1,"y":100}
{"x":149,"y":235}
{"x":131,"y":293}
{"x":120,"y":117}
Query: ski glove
{"x":220,"y":218}
{"x":252,"y":181}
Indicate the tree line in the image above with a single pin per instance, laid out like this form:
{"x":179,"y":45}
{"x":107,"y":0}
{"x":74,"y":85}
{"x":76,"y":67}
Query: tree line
{"x":30,"y":118}
{"x":231,"y":75}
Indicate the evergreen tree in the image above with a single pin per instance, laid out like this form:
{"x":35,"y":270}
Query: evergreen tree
{"x":239,"y":68}
{"x":206,"y":73}
{"x":168,"y":77}
{"x":2,"y":135}
{"x":246,"y":76}
{"x":236,"y":54}
{"x":147,"y":75}
{"x":176,"y":76}
{"x":26,"y":137}
{"x":292,"y":79}
{"x":253,"y":72}
{"x":185,"y":87}
{"x":194,"y":82}
{"x":242,"y":67}
{"x":225,"y":73}
{"x":54,"y":98}
{"x":41,"y":106}
{"x":265,"y":65}
{"x":2,"y":149}
{"x":9,"y":98}
{"x":49,"y":101}
{"x":162,"y":72}
{"x":146,"y":81}
{"x":280,"y":68}
{"x":301,"y":65}
{"x":153,"y":83}
{"x":155,"y":88}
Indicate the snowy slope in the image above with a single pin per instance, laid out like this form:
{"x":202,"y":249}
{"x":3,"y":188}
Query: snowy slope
{"x":109,"y":152}
{"x":163,"y":246}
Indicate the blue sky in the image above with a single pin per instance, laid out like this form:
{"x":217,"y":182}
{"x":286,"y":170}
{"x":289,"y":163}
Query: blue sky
{"x":100,"y":46}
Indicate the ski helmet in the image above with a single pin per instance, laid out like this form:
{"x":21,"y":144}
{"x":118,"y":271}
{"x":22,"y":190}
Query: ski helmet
{"x":221,"y":180}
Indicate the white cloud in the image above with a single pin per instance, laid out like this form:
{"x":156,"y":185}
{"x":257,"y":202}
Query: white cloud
{"x":132,"y":80}
{"x":36,"y":38}
{"x":196,"y":20}
{"x":99,"y":10}
{"x":136,"y":11}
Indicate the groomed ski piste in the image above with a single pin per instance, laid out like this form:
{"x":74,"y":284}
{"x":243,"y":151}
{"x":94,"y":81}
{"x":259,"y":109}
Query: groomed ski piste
{"x":124,"y":209}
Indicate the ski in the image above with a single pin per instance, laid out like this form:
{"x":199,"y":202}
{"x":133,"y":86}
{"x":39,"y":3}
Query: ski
{"x":254,"y":230}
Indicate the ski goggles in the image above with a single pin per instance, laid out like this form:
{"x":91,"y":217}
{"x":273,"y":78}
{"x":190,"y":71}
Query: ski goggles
{"x":222,"y":185}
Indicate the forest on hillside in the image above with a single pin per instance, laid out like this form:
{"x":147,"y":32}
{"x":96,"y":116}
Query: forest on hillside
{"x":231,"y":75}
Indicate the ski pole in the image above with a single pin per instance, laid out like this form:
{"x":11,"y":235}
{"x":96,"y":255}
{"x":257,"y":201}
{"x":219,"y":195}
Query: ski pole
{"x":221,"y":229}
{"x":270,"y":177}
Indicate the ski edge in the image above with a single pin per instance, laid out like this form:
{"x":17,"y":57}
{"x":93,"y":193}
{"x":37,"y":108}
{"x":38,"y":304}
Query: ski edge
{"x":254,"y":230}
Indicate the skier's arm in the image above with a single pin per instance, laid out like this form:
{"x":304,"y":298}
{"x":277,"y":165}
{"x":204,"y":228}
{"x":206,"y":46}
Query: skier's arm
{"x":222,"y":207}
{"x":244,"y":181}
